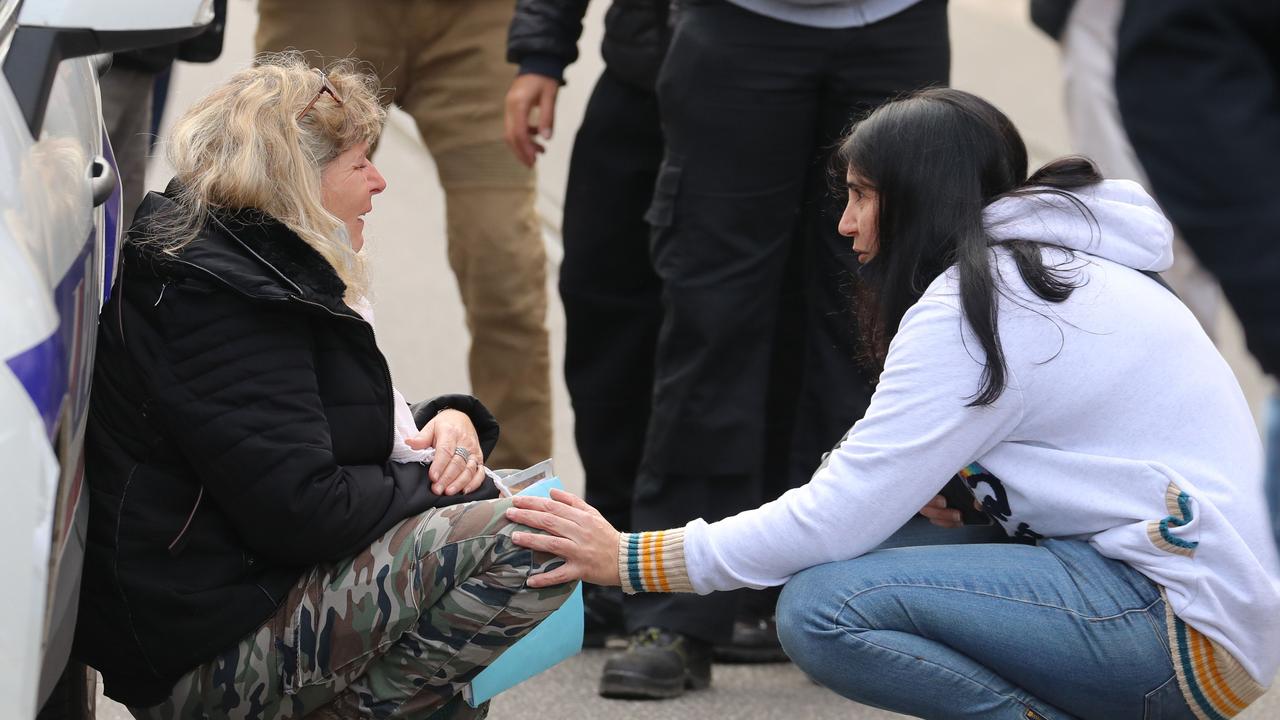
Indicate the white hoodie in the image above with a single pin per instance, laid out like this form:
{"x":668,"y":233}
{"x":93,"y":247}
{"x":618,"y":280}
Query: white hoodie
{"x":1117,"y":403}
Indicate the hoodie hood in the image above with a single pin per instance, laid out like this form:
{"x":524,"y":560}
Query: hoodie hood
{"x":1126,"y":226}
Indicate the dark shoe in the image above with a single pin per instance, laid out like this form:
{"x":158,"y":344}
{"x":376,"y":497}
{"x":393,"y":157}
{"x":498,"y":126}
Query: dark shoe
{"x":657,"y":664}
{"x":602,"y":607}
{"x":754,"y":641}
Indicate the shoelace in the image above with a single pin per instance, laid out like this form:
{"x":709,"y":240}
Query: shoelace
{"x":649,"y":636}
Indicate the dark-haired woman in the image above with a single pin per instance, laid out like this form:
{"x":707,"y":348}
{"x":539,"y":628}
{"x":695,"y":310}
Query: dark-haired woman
{"x":1022,"y":341}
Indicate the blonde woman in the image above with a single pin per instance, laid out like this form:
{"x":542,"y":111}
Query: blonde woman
{"x":256,"y":548}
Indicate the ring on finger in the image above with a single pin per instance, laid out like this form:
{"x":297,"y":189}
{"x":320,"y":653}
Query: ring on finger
{"x":462,"y":452}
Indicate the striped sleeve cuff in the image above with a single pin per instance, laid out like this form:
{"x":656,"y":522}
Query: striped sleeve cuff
{"x":653,"y":562}
{"x":1214,"y":684}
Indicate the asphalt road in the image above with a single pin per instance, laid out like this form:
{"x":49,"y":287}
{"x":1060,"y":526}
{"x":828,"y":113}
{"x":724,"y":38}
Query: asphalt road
{"x":996,"y":53}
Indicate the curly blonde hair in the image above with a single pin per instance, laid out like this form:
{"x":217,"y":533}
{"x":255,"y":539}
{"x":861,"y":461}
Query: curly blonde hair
{"x":244,"y":146}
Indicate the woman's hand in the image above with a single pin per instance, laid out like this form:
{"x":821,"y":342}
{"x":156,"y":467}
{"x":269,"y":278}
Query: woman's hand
{"x":451,"y":472}
{"x":941,"y":515}
{"x":577,"y":533}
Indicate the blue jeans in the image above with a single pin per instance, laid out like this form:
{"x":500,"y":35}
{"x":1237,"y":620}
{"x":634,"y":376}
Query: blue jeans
{"x":985,"y":631}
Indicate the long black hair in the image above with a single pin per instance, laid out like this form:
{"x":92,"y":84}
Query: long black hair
{"x":936,"y":158}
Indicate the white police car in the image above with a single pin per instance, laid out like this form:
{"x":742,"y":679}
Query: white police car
{"x":59,"y":240}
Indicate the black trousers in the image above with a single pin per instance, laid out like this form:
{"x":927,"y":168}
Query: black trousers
{"x":755,"y":278}
{"x":611,"y":294}
{"x":1198,"y":83}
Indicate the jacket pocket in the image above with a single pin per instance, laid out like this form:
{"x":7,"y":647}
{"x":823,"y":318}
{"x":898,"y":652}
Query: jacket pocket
{"x":662,"y":208}
{"x":661,"y":216}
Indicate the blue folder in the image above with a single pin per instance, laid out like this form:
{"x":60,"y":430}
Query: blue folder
{"x":556,"y":638}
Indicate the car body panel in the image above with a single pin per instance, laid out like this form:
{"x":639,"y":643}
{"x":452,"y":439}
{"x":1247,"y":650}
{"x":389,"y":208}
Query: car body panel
{"x":59,"y":251}
{"x":53,"y":244}
{"x":117,"y":15}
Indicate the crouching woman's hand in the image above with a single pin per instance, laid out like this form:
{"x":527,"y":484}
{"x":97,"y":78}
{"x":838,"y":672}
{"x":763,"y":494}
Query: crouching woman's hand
{"x":575,"y":531}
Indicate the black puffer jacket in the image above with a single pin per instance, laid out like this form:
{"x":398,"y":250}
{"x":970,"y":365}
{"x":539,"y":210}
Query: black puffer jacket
{"x":544,"y":38}
{"x":239,"y":432}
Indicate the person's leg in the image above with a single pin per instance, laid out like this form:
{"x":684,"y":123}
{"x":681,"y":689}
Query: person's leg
{"x":394,"y":632}
{"x":867,"y":66}
{"x":1097,"y":132}
{"x":611,"y":295}
{"x":738,"y":117}
{"x":612,"y":306}
{"x":990,"y":631}
{"x":736,"y":98}
{"x":126,"y":112}
{"x":332,"y":30}
{"x":1198,"y":85}
{"x":329,"y":30}
{"x":817,"y":394}
{"x":456,"y":81}
{"x":159,"y":100}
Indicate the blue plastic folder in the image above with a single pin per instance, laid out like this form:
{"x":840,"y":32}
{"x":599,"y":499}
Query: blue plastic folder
{"x":556,"y":638}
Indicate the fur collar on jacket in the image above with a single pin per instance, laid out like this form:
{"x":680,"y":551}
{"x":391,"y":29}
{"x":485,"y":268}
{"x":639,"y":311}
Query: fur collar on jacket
{"x":251,"y":251}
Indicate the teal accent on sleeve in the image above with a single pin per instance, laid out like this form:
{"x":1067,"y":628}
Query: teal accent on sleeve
{"x":1184,"y":508}
{"x":633,"y":560}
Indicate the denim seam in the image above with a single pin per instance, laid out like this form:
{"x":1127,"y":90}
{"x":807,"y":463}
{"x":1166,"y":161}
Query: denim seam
{"x":1162,"y":634}
{"x":1015,"y":699}
{"x":851,"y":598}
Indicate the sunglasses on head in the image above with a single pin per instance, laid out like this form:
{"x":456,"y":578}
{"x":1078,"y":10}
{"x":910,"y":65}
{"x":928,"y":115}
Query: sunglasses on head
{"x":325,"y":87}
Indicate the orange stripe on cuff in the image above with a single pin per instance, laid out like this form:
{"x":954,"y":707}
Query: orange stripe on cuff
{"x":662,"y":569}
{"x":646,"y":560}
{"x":1220,"y":693}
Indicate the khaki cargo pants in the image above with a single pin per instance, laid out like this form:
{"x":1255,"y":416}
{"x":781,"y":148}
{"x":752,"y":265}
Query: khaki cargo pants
{"x":443,"y":62}
{"x":393,"y":632}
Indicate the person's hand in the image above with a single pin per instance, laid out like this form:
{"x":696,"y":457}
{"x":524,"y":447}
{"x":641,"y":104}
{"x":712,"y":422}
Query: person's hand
{"x":451,"y":472}
{"x":577,"y":533}
{"x":941,"y":515}
{"x":529,"y":91}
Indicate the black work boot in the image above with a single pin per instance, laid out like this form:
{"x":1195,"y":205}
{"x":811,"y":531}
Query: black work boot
{"x":755,"y":640}
{"x":657,"y":664}
{"x":602,"y":607}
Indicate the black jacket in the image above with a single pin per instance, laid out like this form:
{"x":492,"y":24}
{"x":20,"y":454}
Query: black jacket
{"x":239,"y":432}
{"x":544,"y":38}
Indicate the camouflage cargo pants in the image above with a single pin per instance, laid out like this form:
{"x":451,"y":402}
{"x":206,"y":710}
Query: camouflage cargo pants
{"x":394,"y":632}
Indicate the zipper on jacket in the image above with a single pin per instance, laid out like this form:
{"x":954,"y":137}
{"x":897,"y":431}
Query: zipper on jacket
{"x":386,"y":367}
{"x":176,"y":545}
